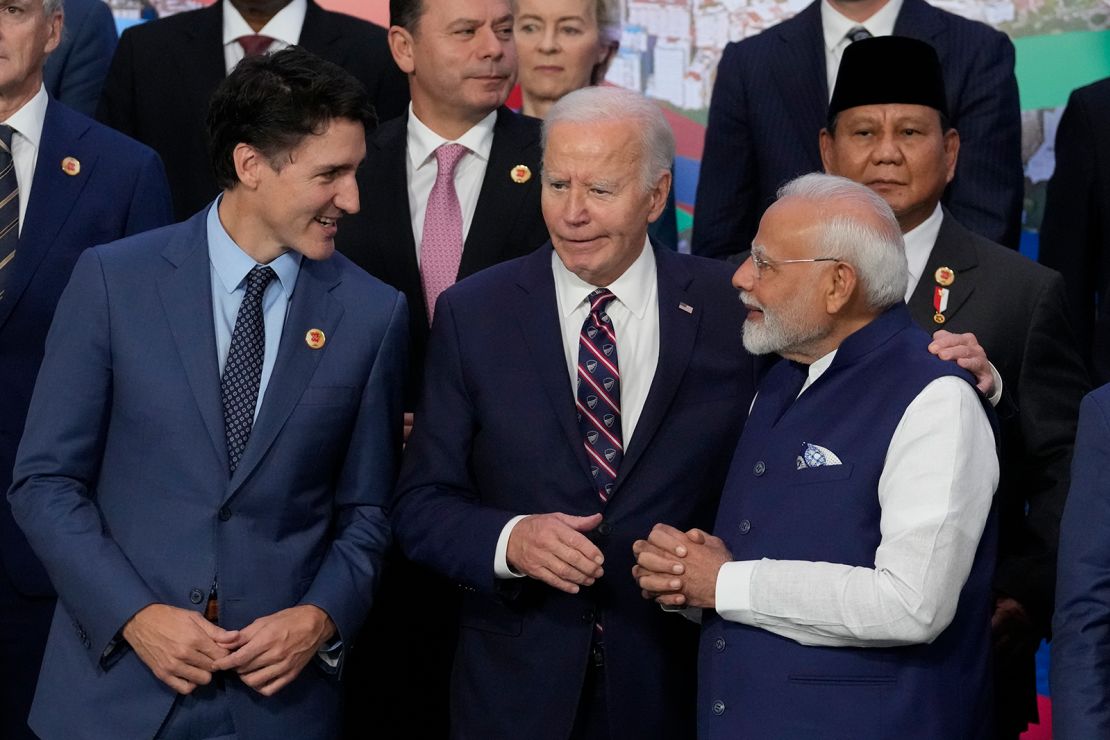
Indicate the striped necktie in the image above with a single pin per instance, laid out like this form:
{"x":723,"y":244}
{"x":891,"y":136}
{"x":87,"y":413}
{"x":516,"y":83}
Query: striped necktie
{"x":599,"y":395}
{"x":9,"y":208}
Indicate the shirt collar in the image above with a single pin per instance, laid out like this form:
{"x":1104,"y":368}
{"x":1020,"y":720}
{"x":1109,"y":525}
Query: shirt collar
{"x":836,"y":25}
{"x":919,"y":244}
{"x":28,"y":120}
{"x":632,"y":288}
{"x":817,"y":369}
{"x":232,"y":264}
{"x":285,"y":26}
{"x":422,"y":141}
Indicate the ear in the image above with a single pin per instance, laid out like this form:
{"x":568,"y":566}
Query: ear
{"x":606,"y":51}
{"x":659,"y":195}
{"x":951,"y":151}
{"x":54,"y":36}
{"x":841,"y":289}
{"x":825,"y":142}
{"x":249,"y":164}
{"x":400,"y":46}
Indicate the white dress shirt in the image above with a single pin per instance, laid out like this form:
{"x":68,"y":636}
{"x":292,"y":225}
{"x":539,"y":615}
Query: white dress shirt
{"x":935,"y":492}
{"x":26,"y":125}
{"x":635,"y":317}
{"x":836,"y":27}
{"x":919,"y":245}
{"x":421,"y":170}
{"x":284,"y":28}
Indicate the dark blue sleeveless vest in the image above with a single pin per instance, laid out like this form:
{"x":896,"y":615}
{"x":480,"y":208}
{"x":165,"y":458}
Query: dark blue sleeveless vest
{"x":754,"y":684}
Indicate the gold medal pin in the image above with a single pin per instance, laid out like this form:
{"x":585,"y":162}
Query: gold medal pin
{"x":71,"y":166}
{"x":315,"y":338}
{"x":520,"y":174}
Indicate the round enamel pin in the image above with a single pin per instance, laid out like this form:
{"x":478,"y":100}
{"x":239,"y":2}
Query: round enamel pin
{"x":520,"y":174}
{"x":71,"y":166}
{"x":938,"y":318}
{"x":315,"y":338}
{"x":945,"y":276}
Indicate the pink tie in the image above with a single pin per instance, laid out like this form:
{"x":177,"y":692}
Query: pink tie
{"x":442,"y":245}
{"x":254,"y":44}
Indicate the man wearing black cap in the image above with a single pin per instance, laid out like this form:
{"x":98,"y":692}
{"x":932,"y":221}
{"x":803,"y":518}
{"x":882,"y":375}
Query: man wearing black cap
{"x":889,"y":129}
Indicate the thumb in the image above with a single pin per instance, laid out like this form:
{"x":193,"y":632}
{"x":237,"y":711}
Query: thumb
{"x":580,"y":523}
{"x":217,"y":633}
{"x":696,"y":536}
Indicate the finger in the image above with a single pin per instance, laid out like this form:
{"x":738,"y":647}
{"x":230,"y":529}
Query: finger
{"x":260,"y":677}
{"x":660,"y":562}
{"x":671,"y":599}
{"x":662,"y":584}
{"x":580,"y":523}
{"x":244,"y":658}
{"x":571,"y":566}
{"x":552,"y":579}
{"x":214,"y":631}
{"x":179,"y":685}
{"x":576,"y":541}
{"x":669,"y":539}
{"x":698,"y":537}
{"x":186,"y":672}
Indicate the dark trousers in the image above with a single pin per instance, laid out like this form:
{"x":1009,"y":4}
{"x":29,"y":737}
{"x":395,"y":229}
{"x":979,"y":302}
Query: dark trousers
{"x":24,"y":626}
{"x":592,"y":720}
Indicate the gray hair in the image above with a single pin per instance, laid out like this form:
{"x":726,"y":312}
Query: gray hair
{"x":610,"y":104}
{"x":50,"y":7}
{"x":873,"y":246}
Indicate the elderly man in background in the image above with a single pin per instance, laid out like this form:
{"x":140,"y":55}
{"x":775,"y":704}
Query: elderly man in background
{"x":889,"y":129}
{"x":573,"y":397}
{"x":853,"y":549}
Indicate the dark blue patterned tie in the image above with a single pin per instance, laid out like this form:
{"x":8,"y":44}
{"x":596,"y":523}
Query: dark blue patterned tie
{"x":857,"y":33}
{"x":9,"y":208}
{"x":243,"y":370}
{"x":599,"y":394}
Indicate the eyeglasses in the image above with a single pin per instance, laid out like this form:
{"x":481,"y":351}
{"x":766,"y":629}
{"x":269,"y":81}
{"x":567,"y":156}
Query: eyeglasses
{"x":763,"y":264}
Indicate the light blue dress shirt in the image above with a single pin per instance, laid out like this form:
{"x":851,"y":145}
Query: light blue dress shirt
{"x":230,"y":266}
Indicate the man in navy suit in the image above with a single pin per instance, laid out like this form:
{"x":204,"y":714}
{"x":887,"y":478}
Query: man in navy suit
{"x":80,"y":184}
{"x":572,"y":396}
{"x":1081,"y":625}
{"x":209,"y":450}
{"x":769,"y":104}
{"x":75,"y":72}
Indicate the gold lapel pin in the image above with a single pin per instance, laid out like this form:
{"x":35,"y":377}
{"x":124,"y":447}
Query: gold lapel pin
{"x":71,"y":166}
{"x":945,"y":276}
{"x":520,"y":174}
{"x":315,"y":338}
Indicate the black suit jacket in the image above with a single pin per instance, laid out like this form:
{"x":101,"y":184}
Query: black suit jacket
{"x":770,"y":102}
{"x":507,"y":221}
{"x":164,"y":73}
{"x":1075,"y":234}
{"x":1016,"y":310}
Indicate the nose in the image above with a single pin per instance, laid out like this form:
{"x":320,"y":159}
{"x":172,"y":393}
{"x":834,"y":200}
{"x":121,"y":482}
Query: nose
{"x":492,"y":46}
{"x":548,"y":42}
{"x":346,"y":195}
{"x":575,"y":212}
{"x":744,"y":277}
{"x":886,"y":150}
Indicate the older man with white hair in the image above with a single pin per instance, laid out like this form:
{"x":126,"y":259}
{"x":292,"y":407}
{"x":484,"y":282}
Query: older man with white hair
{"x":573,"y":398}
{"x":846,"y":589}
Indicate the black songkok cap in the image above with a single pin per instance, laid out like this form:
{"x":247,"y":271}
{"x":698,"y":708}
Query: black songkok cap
{"x":888,"y":69}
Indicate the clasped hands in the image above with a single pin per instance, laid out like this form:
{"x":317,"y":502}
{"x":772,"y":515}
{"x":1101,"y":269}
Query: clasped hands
{"x":183,"y":649}
{"x":679,"y":569}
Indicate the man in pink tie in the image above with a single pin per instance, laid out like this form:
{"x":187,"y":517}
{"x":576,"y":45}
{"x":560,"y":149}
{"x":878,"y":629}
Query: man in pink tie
{"x":448,"y":189}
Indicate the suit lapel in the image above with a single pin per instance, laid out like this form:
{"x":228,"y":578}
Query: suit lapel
{"x":204,"y":48}
{"x":312,"y":307}
{"x":800,"y":70}
{"x":540,"y":329}
{"x":183,"y":290}
{"x":54,"y":195}
{"x":319,"y":35}
{"x":953,"y":249}
{"x":500,"y":199}
{"x":677,"y":331}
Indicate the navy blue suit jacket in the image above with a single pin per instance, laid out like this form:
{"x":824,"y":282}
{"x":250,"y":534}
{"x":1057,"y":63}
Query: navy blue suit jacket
{"x":75,"y":71}
{"x":770,"y":102}
{"x":120,"y":190}
{"x":496,"y":436}
{"x":1081,"y":626}
{"x":122,"y":486}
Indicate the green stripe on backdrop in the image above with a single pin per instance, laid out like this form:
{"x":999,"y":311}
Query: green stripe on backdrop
{"x":1049,"y":67}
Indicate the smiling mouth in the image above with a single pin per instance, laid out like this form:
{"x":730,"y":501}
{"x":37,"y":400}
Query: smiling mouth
{"x":326,"y":222}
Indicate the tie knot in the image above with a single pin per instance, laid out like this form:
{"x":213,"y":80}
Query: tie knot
{"x":857,"y":33}
{"x":6,"y":132}
{"x":447,"y":157}
{"x":599,"y":299}
{"x":254,"y":44}
{"x":257,"y":280}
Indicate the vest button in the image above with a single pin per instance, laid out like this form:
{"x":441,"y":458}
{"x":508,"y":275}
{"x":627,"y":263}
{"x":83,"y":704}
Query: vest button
{"x":719,"y":643}
{"x":605,"y":528}
{"x":196,"y":596}
{"x":718,"y":707}
{"x":745,"y":526}
{"x":760,"y":468}
{"x":224,"y":514}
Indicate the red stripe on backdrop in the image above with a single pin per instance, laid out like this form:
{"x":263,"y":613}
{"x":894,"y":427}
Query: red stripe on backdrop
{"x":372,"y":10}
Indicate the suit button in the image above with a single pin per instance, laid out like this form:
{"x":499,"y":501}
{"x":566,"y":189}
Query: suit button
{"x":604,"y":528}
{"x":225,"y":513}
{"x":719,"y":643}
{"x":588,"y":616}
{"x":718,"y":707}
{"x":745,"y":526}
{"x":760,"y":468}
{"x":196,"y":596}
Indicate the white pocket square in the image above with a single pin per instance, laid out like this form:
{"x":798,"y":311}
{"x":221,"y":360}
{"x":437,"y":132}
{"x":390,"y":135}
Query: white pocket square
{"x":816,"y":456}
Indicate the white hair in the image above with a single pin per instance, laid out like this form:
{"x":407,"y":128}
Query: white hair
{"x":606,"y":104}
{"x":873,"y":246}
{"x":50,"y":7}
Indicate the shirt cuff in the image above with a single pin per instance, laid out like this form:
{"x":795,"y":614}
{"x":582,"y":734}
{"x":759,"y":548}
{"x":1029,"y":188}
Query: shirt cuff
{"x":997,"y":395}
{"x":501,"y":567}
{"x":329,"y":655}
{"x":734,"y":591}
